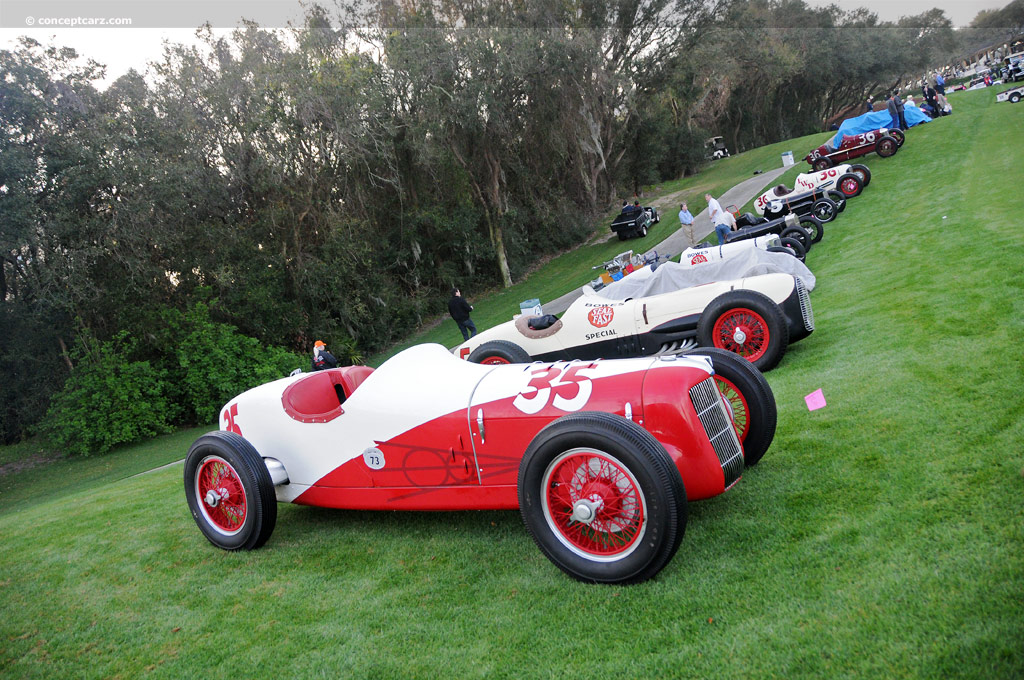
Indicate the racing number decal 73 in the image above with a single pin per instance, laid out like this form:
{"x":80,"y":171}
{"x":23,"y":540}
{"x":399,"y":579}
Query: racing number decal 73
{"x":565,"y":388}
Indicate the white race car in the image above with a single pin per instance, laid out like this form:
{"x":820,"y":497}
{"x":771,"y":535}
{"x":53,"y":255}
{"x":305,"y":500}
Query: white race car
{"x":836,"y":183}
{"x":756,"y":317}
{"x":771,"y":243}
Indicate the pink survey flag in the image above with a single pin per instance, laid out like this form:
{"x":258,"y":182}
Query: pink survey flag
{"x":815,"y":400}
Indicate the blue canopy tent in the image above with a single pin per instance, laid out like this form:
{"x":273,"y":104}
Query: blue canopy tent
{"x":872,"y":120}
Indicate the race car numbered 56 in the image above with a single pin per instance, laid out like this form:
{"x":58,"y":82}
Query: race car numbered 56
{"x":600,"y":457}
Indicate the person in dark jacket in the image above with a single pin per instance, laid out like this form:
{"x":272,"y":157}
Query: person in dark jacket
{"x":460,"y":309}
{"x":322,"y":359}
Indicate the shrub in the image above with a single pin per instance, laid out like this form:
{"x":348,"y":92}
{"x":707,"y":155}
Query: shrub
{"x":216,"y":362}
{"x":108,"y":400}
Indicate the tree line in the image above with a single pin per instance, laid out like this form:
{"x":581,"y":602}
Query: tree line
{"x":335,"y":180}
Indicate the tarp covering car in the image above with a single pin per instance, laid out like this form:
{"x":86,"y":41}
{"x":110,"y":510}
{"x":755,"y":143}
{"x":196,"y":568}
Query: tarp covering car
{"x":673,"y":276}
{"x":873,"y":120}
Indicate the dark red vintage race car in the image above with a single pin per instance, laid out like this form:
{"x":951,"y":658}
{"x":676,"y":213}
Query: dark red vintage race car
{"x":883,"y":141}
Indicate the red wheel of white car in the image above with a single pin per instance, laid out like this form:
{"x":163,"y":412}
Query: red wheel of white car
{"x":850,"y":185}
{"x":823,"y":163}
{"x":863,"y":172}
{"x":499,"y":352}
{"x":750,"y":399}
{"x":601,"y":498}
{"x":748,"y":324}
{"x":886,"y":146}
{"x":229,"y":492}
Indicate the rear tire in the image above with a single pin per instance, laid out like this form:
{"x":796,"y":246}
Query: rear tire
{"x":601,"y":498}
{"x":863,"y":172}
{"x":750,"y":398}
{"x":838,"y":198}
{"x":748,"y":324}
{"x":499,"y":352}
{"x":793,"y":247}
{"x":229,"y":491}
{"x":799,"y":234}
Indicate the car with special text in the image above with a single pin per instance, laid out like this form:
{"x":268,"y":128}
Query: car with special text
{"x":756,"y":317}
{"x":600,"y":457}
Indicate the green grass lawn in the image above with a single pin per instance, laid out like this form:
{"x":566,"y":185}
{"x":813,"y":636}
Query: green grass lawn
{"x":881,"y":536}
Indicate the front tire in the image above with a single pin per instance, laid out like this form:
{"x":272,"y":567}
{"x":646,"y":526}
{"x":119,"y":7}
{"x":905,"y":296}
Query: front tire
{"x":748,"y":324}
{"x":229,"y":491}
{"x":499,"y":352}
{"x":750,"y":399}
{"x":602,"y":499}
{"x":825,"y":210}
{"x":850,"y":185}
{"x":886,"y":146}
{"x":822,"y":164}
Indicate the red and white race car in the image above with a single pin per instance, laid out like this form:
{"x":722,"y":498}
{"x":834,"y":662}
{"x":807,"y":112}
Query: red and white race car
{"x":838,"y":183}
{"x":601,"y":457}
{"x":883,"y":141}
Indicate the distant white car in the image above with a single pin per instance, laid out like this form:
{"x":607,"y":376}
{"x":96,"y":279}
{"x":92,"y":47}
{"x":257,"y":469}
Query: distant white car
{"x":1013,"y":95}
{"x":837,"y":183}
{"x":696,"y":255}
{"x":755,"y":317}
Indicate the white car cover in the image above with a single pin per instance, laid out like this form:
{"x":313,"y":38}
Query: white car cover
{"x":673,"y":276}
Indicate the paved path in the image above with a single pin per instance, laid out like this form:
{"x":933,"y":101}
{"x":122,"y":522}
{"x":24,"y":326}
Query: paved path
{"x":678,"y":241}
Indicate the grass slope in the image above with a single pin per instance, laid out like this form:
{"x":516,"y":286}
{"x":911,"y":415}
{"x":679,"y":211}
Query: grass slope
{"x":881,"y":537}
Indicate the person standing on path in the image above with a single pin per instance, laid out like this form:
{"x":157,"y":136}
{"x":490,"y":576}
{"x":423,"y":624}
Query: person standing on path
{"x":460,"y":309}
{"x":718,"y":218}
{"x":686,"y":222}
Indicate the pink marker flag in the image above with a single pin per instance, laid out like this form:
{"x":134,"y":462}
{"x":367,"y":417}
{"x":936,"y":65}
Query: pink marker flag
{"x":815,"y":400}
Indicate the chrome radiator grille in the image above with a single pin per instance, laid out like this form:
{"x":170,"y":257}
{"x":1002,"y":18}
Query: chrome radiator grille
{"x":805,"y":305}
{"x":718,"y":426}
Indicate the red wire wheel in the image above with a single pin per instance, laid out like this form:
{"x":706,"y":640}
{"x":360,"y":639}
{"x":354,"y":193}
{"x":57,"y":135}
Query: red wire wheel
{"x":742,"y":331}
{"x":594,"y":504}
{"x":737,"y":405}
{"x":229,"y":491}
{"x":749,"y":398}
{"x":747,"y":323}
{"x":222,"y":495}
{"x":602,"y":498}
{"x":850,"y":185}
{"x":495,"y":361}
